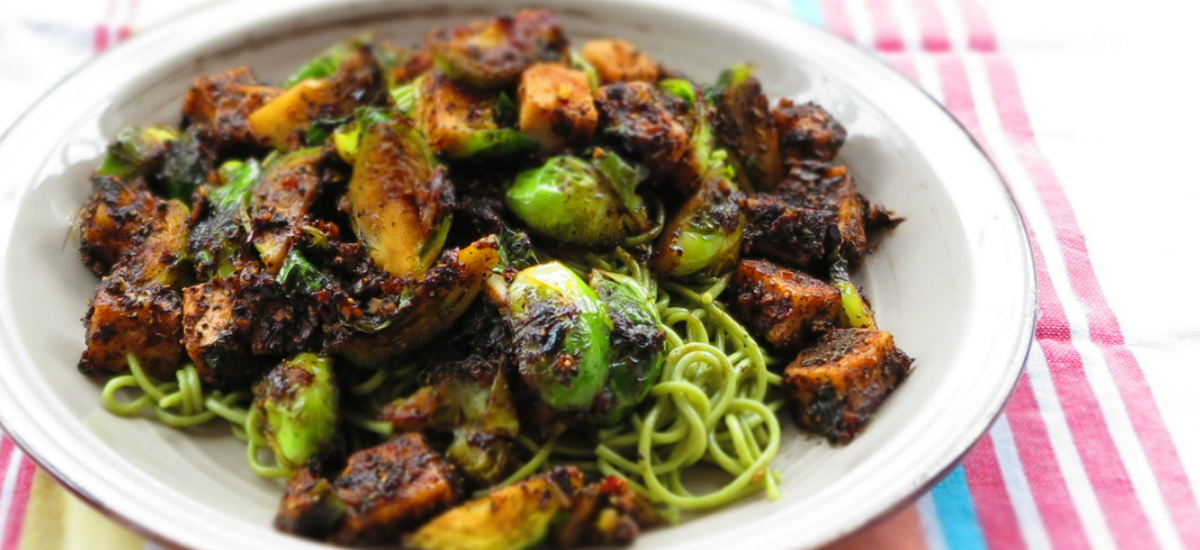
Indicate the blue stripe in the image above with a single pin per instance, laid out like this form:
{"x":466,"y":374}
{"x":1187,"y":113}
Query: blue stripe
{"x":956,"y":513}
{"x":809,"y":10}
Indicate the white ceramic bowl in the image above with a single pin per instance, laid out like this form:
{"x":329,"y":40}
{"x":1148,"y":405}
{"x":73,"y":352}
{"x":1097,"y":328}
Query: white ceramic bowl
{"x":954,"y":283}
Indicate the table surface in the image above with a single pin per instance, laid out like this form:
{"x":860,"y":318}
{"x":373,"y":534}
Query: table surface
{"x":1100,"y":444}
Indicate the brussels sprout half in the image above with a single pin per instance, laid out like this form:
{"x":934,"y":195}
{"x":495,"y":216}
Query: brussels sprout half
{"x":298,"y":400}
{"x":575,"y":201}
{"x":560,"y":332}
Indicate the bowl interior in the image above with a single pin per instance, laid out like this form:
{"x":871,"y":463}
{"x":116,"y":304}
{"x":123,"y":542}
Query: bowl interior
{"x":926,"y":280}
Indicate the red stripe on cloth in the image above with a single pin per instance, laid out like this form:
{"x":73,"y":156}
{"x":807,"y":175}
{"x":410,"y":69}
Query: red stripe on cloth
{"x":887,"y":31}
{"x":1038,"y":460}
{"x":934,"y":37}
{"x":993,"y":507}
{"x":980,"y":36}
{"x":1103,"y":326}
{"x":837,"y":19}
{"x":15,"y":523}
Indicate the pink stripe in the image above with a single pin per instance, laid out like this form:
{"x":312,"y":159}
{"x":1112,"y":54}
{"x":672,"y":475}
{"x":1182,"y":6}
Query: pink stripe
{"x":6,"y":451}
{"x":1089,"y":429}
{"x":1103,"y":326}
{"x":837,"y":19}
{"x":980,"y":36}
{"x":1054,"y":503}
{"x":993,"y":507}
{"x":1037,"y":456}
{"x":100,"y":39}
{"x":905,"y":65}
{"x":934,"y":37}
{"x":887,"y":31}
{"x":15,"y":523}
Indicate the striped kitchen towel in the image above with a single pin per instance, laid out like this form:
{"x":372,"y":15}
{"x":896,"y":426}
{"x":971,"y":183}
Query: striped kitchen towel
{"x":1085,"y":109}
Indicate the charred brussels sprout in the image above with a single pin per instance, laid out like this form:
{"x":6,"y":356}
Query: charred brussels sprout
{"x":512,"y":518}
{"x":217,"y":242}
{"x":744,"y":125}
{"x":637,"y":350}
{"x":574,"y":201}
{"x":462,"y":122}
{"x":399,"y":198}
{"x":560,"y":332}
{"x":298,"y":401}
{"x":137,"y":152}
{"x":472,"y":400}
{"x":705,"y":235}
{"x":488,"y":54}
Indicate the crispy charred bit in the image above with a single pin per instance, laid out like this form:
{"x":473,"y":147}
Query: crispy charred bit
{"x":517,"y":516}
{"x":310,"y":507}
{"x":785,"y":229}
{"x":126,"y":317}
{"x":620,"y":61}
{"x":234,"y":327}
{"x":115,"y":218}
{"x":405,"y":319}
{"x":744,"y":125}
{"x":281,"y":202}
{"x":651,"y":125}
{"x":223,"y":102}
{"x":835,"y":385}
{"x":782,"y":306}
{"x":417,"y":64}
{"x":488,"y":54}
{"x":815,"y":210}
{"x":556,"y":104}
{"x":393,"y":487}
{"x":358,"y":82}
{"x":607,"y":512}
{"x":807,"y":131}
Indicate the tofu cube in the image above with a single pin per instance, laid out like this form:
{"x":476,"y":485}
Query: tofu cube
{"x":835,"y":385}
{"x":783,"y":306}
{"x":126,"y":318}
{"x":556,"y":106}
{"x":393,"y":487}
{"x":620,"y":61}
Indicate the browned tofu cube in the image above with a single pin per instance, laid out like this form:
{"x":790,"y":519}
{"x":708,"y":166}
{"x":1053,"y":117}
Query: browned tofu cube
{"x":807,"y":132}
{"x":556,"y":106}
{"x":393,"y":487}
{"x":835,"y":385}
{"x":652,"y":125}
{"x":787,"y":230}
{"x":127,"y":318}
{"x":225,"y":101}
{"x":620,"y":61}
{"x":782,"y":306}
{"x":309,"y":507}
{"x":112,"y":221}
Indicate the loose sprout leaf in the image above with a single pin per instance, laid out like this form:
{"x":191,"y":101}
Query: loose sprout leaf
{"x":516,"y":251}
{"x":681,"y":89}
{"x":296,"y":268}
{"x":578,"y":62}
{"x":405,"y":97}
{"x":238,"y":181}
{"x":624,"y":179}
{"x":506,"y":110}
{"x":321,"y":129}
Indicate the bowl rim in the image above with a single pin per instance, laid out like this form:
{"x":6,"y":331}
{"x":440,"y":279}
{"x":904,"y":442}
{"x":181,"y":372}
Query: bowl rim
{"x":52,"y":458}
